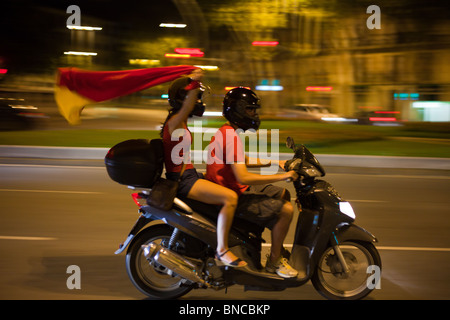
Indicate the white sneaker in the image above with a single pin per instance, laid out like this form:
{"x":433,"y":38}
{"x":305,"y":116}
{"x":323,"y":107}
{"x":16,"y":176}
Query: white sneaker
{"x":281,"y":268}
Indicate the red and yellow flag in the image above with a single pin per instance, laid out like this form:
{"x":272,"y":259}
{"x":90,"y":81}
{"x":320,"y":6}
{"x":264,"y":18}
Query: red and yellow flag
{"x":76,"y":88}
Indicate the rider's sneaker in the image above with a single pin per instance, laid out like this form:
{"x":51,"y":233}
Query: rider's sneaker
{"x":281,"y":268}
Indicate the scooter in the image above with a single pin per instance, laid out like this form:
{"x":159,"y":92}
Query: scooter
{"x":172,"y":252}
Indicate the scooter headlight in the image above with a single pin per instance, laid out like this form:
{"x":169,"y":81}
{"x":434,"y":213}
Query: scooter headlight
{"x":346,"y":208}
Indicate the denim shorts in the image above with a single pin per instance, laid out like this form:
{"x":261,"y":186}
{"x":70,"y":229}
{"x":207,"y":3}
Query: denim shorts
{"x":261,"y":204}
{"x":189,"y":177}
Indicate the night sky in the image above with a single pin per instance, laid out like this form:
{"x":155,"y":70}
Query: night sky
{"x":33,"y":31}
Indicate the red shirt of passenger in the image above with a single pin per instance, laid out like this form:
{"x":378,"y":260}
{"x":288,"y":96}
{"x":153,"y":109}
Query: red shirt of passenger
{"x":225,"y":148}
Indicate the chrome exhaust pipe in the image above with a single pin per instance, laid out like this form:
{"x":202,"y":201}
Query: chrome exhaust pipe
{"x":174,"y":262}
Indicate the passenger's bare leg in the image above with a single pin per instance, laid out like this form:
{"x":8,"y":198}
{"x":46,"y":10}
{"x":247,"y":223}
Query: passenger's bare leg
{"x":212,"y":193}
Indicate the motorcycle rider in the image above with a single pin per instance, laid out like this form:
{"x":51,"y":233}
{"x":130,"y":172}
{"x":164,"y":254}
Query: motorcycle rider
{"x":259,"y":201}
{"x":185,"y":100}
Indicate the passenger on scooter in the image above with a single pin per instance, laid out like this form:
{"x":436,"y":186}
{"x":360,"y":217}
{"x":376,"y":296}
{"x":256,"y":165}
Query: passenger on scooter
{"x":185,"y":100}
{"x":259,"y":201}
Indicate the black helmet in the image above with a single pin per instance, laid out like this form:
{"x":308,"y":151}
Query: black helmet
{"x":234,"y":108}
{"x":177,"y":94}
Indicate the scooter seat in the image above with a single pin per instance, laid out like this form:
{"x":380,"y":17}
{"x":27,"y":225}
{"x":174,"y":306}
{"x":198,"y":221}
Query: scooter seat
{"x":211,"y":212}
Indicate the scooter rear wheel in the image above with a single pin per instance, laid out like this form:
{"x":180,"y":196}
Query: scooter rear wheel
{"x":152,"y":279}
{"x":330,"y":280}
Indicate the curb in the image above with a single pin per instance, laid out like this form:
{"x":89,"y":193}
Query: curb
{"x":325,"y":159}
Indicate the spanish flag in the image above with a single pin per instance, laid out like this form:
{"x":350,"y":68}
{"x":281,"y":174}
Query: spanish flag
{"x":75,"y":88}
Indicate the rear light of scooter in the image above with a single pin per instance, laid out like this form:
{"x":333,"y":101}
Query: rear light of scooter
{"x":136,"y":197}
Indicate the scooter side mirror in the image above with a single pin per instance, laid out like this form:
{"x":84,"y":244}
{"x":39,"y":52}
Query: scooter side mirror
{"x":290,"y":143}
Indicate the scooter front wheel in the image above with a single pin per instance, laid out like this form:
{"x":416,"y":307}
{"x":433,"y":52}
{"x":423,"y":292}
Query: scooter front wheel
{"x":332,"y":282}
{"x":149,"y":277}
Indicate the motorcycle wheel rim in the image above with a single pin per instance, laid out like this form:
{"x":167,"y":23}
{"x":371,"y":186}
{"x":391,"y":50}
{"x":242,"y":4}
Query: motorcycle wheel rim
{"x":358,"y":259}
{"x":154,"y":275}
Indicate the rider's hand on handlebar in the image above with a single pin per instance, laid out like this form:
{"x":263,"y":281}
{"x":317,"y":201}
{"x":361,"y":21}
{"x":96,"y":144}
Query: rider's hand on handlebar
{"x":291,"y":176}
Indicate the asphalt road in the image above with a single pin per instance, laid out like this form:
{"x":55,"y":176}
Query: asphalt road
{"x":59,"y":213}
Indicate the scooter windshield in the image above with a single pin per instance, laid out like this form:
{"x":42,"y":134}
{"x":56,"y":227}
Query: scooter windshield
{"x":308,"y":157}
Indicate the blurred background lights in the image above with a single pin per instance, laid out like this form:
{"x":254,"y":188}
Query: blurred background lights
{"x":230,"y":88}
{"x":177,"y":55}
{"x":206,"y":67}
{"x":80,"y":53}
{"x":312,"y":88}
{"x":269,"y":88}
{"x":144,"y":62}
{"x":265,"y":43}
{"x":193,"y":52}
{"x":86,"y":28}
{"x":172,"y":25}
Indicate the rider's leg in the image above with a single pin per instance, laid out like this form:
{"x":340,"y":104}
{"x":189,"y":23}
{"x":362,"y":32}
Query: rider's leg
{"x":275,"y":262}
{"x":212,"y":193}
{"x":280,"y":230}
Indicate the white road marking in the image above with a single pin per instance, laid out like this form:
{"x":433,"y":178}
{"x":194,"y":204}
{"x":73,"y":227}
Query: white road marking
{"x":51,"y":191}
{"x":48,"y":166}
{"x":264,"y":244}
{"x":393,"y":176}
{"x":250,"y":170}
{"x":369,"y":201}
{"x":289,"y":245}
{"x":95,"y":192}
{"x":364,"y":201}
{"x":26,"y":238}
{"x":414,"y":249}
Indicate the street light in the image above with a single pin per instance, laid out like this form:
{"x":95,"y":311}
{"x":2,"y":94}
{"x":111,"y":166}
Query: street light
{"x":80,"y":53}
{"x":269,"y":88}
{"x":172,"y":25}
{"x":177,"y":55}
{"x":81,"y":36}
{"x":84,"y":28}
{"x":207,"y":67}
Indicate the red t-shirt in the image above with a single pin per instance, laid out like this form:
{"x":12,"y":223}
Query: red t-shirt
{"x":174,"y":148}
{"x":225,"y":148}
